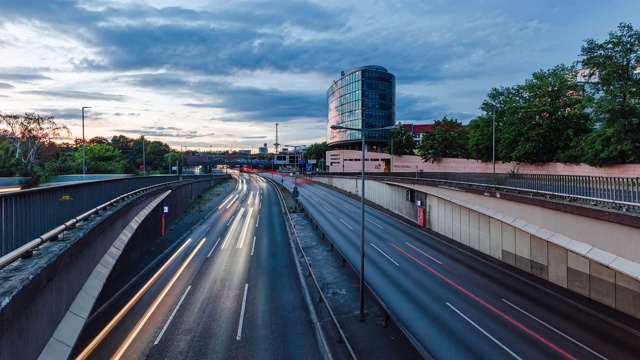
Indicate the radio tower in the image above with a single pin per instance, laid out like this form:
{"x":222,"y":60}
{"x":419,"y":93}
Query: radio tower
{"x":277,"y":145}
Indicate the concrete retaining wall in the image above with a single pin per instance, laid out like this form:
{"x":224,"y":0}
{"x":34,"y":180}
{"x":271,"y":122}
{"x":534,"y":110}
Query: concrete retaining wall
{"x":578,"y":263}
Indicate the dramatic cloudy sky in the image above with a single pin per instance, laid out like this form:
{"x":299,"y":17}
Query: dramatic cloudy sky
{"x":219,"y":74}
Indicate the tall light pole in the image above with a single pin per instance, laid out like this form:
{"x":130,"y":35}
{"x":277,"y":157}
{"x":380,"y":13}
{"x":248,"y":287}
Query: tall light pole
{"x":362,"y":131}
{"x":144,"y":159}
{"x":84,"y":162}
{"x":494,"y":144}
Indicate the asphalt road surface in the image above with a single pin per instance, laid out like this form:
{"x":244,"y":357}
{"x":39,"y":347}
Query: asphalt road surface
{"x":458,"y":304}
{"x":228,"y":290}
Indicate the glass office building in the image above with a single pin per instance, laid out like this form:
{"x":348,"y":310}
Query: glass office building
{"x":363,"y":97}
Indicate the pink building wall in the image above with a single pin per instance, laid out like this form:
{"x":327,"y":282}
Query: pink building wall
{"x":376,"y":163}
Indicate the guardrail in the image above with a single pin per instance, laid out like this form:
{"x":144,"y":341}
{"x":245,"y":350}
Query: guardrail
{"x":618,"y":193}
{"x":26,"y":214}
{"x":341,"y":336}
{"x":55,"y":233}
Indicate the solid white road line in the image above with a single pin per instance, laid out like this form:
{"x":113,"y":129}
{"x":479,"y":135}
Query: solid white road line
{"x":244,"y":303}
{"x":381,"y":252}
{"x":346,"y":224}
{"x":484,"y":332}
{"x":214,"y":247}
{"x":373,"y":223}
{"x":423,"y":253}
{"x":556,"y":330}
{"x":173,"y":313}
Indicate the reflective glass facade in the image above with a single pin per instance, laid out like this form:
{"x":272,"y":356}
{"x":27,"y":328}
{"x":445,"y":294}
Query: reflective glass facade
{"x":368,"y":93}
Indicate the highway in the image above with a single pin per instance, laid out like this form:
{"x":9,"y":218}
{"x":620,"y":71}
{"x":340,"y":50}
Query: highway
{"x":230,"y":289}
{"x":460,"y":305}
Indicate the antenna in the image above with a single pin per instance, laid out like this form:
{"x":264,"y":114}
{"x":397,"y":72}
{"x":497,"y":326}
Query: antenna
{"x":277,"y":145}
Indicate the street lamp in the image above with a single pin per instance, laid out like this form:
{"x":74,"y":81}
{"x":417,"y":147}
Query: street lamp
{"x":144,"y":159}
{"x":84,"y":164}
{"x":362,"y":131}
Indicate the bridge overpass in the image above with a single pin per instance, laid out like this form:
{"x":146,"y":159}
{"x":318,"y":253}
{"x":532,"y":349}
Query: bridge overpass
{"x":586,"y":250}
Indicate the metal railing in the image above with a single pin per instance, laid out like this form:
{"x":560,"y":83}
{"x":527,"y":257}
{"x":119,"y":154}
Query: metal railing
{"x":70,"y":224}
{"x":25,"y":215}
{"x":615,"y":192}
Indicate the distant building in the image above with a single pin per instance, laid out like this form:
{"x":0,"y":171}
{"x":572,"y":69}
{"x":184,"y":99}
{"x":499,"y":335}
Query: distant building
{"x":363,"y":97}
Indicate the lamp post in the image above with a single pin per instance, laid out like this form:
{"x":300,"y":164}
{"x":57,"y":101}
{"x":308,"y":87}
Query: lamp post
{"x":362,"y":131}
{"x":84,"y":163}
{"x":144,"y":159}
{"x":494,"y":144}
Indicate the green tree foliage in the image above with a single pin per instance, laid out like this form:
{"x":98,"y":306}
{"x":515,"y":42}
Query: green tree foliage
{"x":448,"y":139}
{"x":612,"y":65}
{"x":402,"y":142}
{"x":316,"y":151}
{"x":101,"y":159}
{"x":8,"y":162}
{"x":27,"y":134}
{"x":540,"y":121}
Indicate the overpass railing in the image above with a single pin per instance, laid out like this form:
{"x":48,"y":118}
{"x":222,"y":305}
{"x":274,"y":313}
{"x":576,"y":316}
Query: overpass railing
{"x":614,"y":189}
{"x":26,"y":215}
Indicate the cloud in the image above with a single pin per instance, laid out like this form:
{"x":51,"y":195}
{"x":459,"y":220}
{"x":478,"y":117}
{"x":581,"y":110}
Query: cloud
{"x":5,"y":86}
{"x":78,"y":95}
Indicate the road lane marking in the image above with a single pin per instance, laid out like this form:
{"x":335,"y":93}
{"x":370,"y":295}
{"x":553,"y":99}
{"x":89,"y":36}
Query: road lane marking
{"x":381,"y":252}
{"x":233,"y":227}
{"x":258,"y":221}
{"x":107,"y":329}
{"x":230,"y":220}
{"x":486,"y":304}
{"x":173,"y":313}
{"x":254,"y":245}
{"x":244,"y":303}
{"x":346,"y":224}
{"x":214,"y":247}
{"x":155,"y":304}
{"x":374,"y":223}
{"x":556,"y":330}
{"x":250,"y":198}
{"x":484,"y":332}
{"x":423,"y":253}
{"x":327,"y":208}
{"x":243,"y":234}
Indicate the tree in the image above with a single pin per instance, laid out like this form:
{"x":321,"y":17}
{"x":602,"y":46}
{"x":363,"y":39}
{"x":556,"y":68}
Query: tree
{"x":8,"y":162}
{"x":27,"y":133}
{"x":612,"y":67}
{"x":448,"y":139}
{"x":402,"y":142}
{"x":540,"y":121}
{"x":316,"y":151}
{"x":102,"y":159}
{"x":549,"y":116}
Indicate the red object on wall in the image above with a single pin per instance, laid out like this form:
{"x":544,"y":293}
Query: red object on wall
{"x":162,"y":230}
{"x":420,"y":215}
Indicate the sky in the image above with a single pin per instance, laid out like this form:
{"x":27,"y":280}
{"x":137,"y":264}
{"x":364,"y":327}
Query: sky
{"x":218,"y":75}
